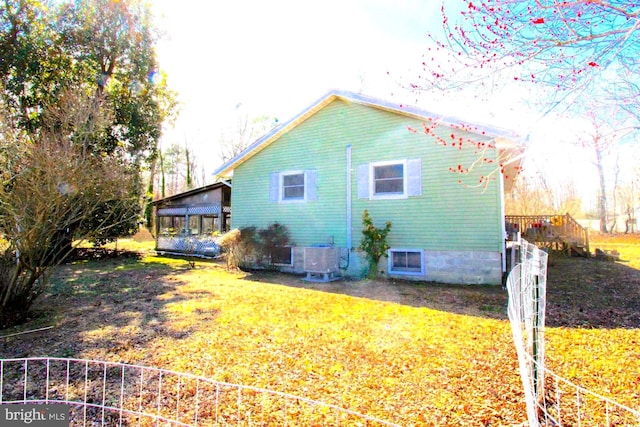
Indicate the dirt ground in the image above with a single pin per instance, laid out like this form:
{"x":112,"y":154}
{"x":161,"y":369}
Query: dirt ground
{"x":482,"y":301}
{"x":581,"y":292}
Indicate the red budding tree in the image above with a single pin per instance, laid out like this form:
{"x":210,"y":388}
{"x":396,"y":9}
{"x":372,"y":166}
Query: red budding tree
{"x":563,"y":44}
{"x":581,"y":57}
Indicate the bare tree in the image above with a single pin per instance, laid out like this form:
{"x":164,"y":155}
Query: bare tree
{"x":624,"y":187}
{"x":553,"y":55}
{"x":246,"y":130}
{"x":54,"y":195}
{"x":576,"y":58}
{"x":563,"y":44}
{"x":529,"y":196}
{"x":568,"y":199}
{"x":189,"y":165}
{"x":627,"y":195}
{"x":601,"y":139}
{"x":625,"y":92}
{"x":175,"y":170}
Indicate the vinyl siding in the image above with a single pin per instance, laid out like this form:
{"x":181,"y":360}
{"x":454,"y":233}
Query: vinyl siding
{"x":314,"y":145}
{"x":446,"y":216}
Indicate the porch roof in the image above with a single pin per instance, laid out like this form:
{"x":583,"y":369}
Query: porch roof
{"x":173,"y":198}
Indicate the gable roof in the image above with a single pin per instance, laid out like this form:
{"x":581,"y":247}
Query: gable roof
{"x":410,"y":111}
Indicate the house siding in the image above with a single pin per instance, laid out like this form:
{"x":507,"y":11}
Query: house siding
{"x":447,"y":218}
{"x":314,"y":145}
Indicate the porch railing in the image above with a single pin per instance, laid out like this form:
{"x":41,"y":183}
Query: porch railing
{"x":561,"y":230}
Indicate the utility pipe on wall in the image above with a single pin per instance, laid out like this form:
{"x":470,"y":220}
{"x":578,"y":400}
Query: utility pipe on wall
{"x":503,"y":225}
{"x":349,"y":231}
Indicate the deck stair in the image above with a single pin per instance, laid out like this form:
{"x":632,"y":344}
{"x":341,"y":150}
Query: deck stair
{"x":559,"y":232}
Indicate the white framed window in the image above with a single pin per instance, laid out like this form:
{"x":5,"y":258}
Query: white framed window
{"x":293,"y":186}
{"x":388,"y":179}
{"x":406,"y":261}
{"x":394,"y":179}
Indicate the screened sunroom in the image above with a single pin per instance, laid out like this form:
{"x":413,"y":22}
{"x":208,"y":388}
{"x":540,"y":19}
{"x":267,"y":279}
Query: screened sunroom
{"x":189,"y":223}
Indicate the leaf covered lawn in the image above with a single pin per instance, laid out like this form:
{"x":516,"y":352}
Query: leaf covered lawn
{"x":402,"y":364}
{"x":393,"y":360}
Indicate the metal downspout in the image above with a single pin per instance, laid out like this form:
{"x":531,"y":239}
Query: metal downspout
{"x":504,"y":226}
{"x":349,"y":191}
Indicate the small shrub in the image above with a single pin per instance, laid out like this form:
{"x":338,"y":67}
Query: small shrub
{"x":249,"y":246}
{"x":240,"y":246}
{"x":374,"y":242}
{"x":252,"y":247}
{"x":230,"y":242}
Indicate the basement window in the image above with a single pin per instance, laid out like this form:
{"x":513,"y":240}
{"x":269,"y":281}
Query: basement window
{"x":406,"y":261}
{"x":282,"y":255}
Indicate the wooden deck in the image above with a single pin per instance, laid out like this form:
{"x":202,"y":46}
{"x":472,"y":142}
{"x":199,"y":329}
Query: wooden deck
{"x":556,"y":232}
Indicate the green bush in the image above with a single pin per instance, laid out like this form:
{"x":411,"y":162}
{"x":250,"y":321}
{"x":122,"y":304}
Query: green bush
{"x":374,"y":242}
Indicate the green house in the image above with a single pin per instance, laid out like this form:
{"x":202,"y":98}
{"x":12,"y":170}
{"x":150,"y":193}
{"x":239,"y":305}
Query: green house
{"x":440,"y":181}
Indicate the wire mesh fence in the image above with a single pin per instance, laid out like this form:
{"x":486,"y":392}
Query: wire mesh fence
{"x":567,"y":404}
{"x":101,"y":393}
{"x":526,"y":285}
{"x":550,"y":399}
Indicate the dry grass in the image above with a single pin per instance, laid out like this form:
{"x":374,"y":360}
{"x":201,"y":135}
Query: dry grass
{"x":593,"y":319}
{"x":414,"y":354}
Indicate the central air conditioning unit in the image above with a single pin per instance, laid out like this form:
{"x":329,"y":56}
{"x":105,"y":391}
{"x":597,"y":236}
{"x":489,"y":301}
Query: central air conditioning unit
{"x":321,"y":263}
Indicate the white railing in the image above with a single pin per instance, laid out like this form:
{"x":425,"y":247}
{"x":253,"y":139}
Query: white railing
{"x":116,"y":394}
{"x":550,"y":399}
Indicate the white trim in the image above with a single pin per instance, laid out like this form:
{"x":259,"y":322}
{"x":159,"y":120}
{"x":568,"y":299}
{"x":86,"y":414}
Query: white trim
{"x":372,"y":183}
{"x":281,"y":176}
{"x":406,"y":273}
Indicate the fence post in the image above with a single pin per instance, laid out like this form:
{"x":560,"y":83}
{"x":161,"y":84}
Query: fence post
{"x":526,"y":314}
{"x":538,"y":289}
{"x":537,"y":387}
